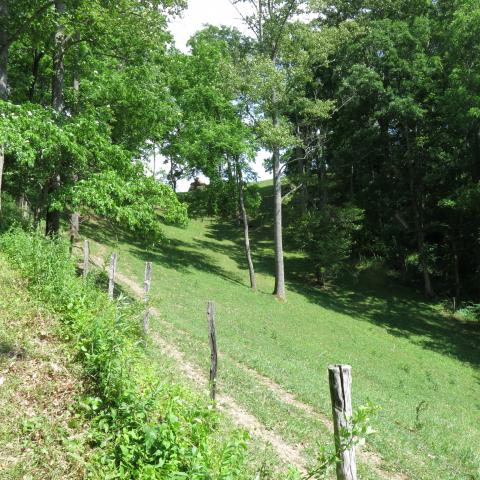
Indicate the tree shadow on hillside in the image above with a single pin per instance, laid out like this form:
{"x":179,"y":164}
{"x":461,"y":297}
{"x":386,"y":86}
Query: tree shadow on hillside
{"x":401,"y":311}
{"x":172,"y":254}
{"x":177,"y":255}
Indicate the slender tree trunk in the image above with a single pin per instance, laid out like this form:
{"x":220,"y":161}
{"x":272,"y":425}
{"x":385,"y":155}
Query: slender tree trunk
{"x":37,"y":57}
{"x":2,"y":161}
{"x":456,"y":269}
{"x":52,"y":221}
{"x":3,"y":95}
{"x":233,"y":180}
{"x":246,"y":233}
{"x":23,"y":206}
{"x":75,"y":216}
{"x":40,"y":205}
{"x":74,"y":227}
{"x":4,"y":89}
{"x":321,"y":176}
{"x":58,"y":82}
{"x":417,"y":207}
{"x":322,"y":183}
{"x":352,"y":183}
{"x":420,"y":235}
{"x":4,"y":47}
{"x":173,"y":178}
{"x":154,"y":161}
{"x":300,"y":155}
{"x":58,"y":103}
{"x":475,"y":145}
{"x":279,"y":290}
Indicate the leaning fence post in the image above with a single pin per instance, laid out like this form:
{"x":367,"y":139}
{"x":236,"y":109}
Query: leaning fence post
{"x":111,"y":275}
{"x":212,"y":337}
{"x":86,"y":258}
{"x":146,"y":290}
{"x":340,"y":379}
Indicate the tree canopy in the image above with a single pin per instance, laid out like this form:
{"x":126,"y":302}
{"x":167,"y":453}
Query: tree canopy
{"x":370,"y":110}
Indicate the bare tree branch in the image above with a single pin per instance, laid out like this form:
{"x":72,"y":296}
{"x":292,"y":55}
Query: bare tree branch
{"x":292,"y":191}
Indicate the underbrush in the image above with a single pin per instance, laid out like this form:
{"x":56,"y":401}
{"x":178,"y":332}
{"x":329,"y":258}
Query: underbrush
{"x":142,"y":427}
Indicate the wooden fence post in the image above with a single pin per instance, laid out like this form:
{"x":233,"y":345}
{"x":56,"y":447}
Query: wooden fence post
{"x":212,"y":337}
{"x":86,"y":258}
{"x":111,"y":275}
{"x":146,"y":290}
{"x":340,"y":379}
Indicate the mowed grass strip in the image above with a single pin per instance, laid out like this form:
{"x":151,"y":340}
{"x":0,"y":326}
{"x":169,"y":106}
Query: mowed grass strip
{"x":420,"y":367}
{"x":40,"y":435}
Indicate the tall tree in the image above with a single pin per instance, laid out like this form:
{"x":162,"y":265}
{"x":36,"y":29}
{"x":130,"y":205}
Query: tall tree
{"x":269,"y":23}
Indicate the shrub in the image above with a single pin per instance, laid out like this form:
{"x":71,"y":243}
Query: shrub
{"x":10,"y":215}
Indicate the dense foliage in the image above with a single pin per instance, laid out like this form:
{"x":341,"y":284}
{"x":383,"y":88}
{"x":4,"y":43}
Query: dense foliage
{"x":85,"y":88}
{"x":370,"y":105}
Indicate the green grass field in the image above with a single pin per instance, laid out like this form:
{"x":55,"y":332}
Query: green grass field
{"x":419,"y":366}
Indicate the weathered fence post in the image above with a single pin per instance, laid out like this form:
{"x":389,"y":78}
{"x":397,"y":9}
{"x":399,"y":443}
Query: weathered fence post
{"x":146,"y":290}
{"x":340,"y":379}
{"x":212,"y":337}
{"x":86,"y":258}
{"x":111,"y":275}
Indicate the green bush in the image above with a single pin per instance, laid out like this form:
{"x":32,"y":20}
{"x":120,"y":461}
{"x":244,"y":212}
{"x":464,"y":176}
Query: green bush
{"x":470,"y":312}
{"x":10,"y":214}
{"x":143,"y":428}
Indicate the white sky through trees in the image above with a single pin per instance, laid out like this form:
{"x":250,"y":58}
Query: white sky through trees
{"x":198,"y":14}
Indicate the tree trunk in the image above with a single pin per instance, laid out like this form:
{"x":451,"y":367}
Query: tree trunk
{"x":40,"y":206}
{"x":75,"y":216}
{"x":37,"y":57}
{"x":300,"y":155}
{"x":173,"y":177}
{"x":52,"y":220}
{"x":2,"y":161}
{"x":74,"y":229}
{"x":52,"y":226}
{"x":4,"y":46}
{"x":23,"y":206}
{"x":321,"y":176}
{"x":4,"y":88}
{"x":246,"y":233}
{"x":58,"y":81}
{"x":475,"y":145}
{"x":417,"y":207}
{"x":279,"y":290}
{"x":419,"y":232}
{"x":322,"y":183}
{"x":456,"y":269}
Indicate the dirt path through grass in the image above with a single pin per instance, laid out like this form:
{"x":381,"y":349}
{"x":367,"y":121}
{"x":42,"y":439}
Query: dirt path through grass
{"x":292,"y":454}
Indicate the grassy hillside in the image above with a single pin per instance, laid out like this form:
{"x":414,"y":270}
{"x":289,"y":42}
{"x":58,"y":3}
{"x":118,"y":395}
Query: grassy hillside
{"x":420,"y":367}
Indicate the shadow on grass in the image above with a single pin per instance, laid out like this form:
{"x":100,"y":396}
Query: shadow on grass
{"x":401,"y":311}
{"x":173,"y":254}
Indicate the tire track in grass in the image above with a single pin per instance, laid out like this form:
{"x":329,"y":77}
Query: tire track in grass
{"x":290,"y":453}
